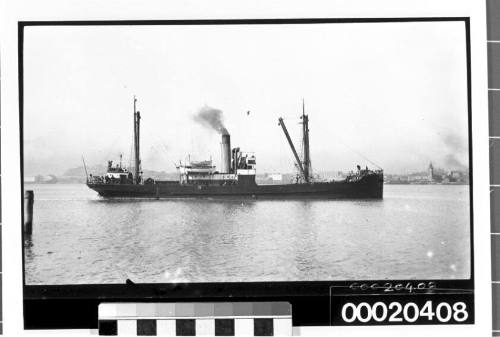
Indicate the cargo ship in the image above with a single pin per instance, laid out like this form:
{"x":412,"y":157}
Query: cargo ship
{"x":236,"y":176}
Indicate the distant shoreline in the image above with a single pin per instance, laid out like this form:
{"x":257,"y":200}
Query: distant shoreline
{"x":423,"y":183}
{"x":385,"y":183}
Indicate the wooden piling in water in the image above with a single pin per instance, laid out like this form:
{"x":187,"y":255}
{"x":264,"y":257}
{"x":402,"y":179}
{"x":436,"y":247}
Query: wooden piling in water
{"x":29,"y":197}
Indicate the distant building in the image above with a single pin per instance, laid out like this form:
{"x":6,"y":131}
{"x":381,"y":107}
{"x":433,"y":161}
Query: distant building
{"x":418,"y":177}
{"x":50,"y":179}
{"x":276,"y":176}
{"x":457,"y":177}
{"x":433,"y":175}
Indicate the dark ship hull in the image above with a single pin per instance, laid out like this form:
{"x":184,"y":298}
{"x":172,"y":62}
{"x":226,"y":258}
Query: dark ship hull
{"x":369,"y":186}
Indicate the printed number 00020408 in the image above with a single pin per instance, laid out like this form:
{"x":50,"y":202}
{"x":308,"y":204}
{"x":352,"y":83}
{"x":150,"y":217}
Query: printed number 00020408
{"x":410,"y":312}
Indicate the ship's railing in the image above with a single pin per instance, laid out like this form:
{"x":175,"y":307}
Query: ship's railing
{"x":360,"y":174}
{"x":108,"y":180}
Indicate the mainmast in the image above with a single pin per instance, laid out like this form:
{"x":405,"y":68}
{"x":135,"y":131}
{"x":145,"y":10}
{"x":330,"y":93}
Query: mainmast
{"x":305,"y":144}
{"x":137,"y":121}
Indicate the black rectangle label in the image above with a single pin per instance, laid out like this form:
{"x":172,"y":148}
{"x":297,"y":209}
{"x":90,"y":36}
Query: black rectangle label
{"x":402,"y":309}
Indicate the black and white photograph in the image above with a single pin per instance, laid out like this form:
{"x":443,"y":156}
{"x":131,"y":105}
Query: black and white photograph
{"x":258,"y":152}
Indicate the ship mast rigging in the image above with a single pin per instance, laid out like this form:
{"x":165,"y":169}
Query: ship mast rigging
{"x":137,"y":121}
{"x":305,"y":144}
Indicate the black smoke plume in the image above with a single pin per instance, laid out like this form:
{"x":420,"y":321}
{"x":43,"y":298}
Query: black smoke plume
{"x":211,"y":118}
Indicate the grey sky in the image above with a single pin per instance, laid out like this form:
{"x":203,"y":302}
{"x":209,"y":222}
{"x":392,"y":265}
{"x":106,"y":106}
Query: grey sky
{"x":394,"y":92}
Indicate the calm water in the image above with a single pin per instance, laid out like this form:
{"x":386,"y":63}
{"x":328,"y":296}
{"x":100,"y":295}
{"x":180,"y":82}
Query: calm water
{"x":415,"y":232}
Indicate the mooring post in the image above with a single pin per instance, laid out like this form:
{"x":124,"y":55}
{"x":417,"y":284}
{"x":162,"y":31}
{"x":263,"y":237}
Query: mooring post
{"x":28,"y":212}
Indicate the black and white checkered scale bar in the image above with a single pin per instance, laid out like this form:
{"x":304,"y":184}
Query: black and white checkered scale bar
{"x":196,"y":319}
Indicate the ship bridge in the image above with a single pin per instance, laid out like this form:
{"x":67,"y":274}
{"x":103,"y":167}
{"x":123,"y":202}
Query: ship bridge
{"x":242,"y":167}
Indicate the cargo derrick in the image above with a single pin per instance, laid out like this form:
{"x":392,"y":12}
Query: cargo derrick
{"x":303,"y":165}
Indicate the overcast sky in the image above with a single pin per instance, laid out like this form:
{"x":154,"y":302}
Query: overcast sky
{"x":395,"y":93}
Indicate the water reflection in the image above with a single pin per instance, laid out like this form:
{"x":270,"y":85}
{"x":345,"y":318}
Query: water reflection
{"x":93,"y":240}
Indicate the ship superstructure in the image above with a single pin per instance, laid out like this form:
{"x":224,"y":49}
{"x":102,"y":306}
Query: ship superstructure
{"x":234,"y":163}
